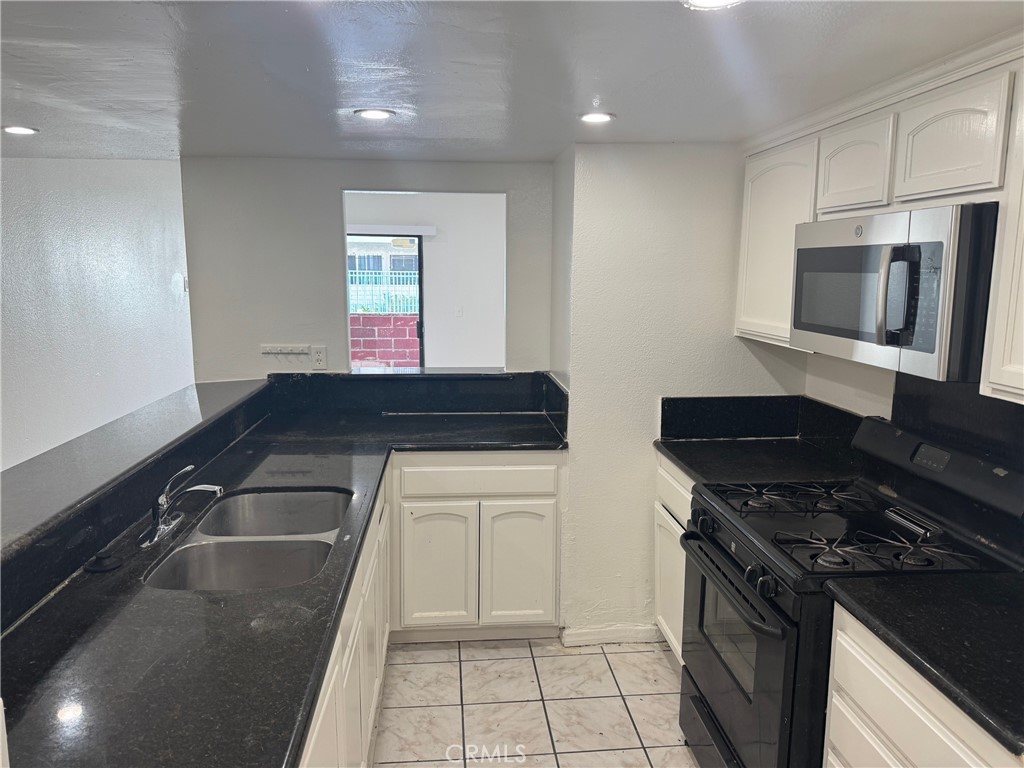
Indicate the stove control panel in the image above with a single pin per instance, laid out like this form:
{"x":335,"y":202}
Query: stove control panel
{"x":930,"y":457}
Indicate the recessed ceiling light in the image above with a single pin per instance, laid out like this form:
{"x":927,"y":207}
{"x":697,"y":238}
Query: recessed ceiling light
{"x":597,"y":117}
{"x":710,"y":5}
{"x":375,"y":113}
{"x":20,"y":130}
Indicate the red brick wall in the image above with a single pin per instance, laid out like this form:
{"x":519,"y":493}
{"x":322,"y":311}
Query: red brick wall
{"x":384,"y":341}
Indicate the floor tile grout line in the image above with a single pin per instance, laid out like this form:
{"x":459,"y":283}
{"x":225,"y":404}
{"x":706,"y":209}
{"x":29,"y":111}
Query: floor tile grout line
{"x":629,"y":712}
{"x":462,"y":706}
{"x":544,"y":706}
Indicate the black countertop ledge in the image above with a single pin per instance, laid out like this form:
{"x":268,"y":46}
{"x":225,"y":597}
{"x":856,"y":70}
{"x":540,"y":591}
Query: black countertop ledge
{"x":752,"y":460}
{"x":66,"y":476}
{"x":961,"y":631}
{"x":110,"y":671}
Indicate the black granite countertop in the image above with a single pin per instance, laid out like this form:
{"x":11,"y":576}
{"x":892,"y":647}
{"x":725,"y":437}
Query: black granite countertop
{"x":753,"y":460}
{"x":961,"y":631}
{"x":110,"y":671}
{"x":36,"y":492}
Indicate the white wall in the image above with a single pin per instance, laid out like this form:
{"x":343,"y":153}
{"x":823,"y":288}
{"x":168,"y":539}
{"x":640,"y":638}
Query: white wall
{"x":561,"y":263}
{"x":266,"y":238}
{"x":95,"y":319}
{"x":655,"y":237}
{"x":463,"y":269}
{"x":859,"y":388}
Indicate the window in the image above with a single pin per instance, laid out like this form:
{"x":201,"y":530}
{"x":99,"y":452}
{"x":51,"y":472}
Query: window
{"x":405,"y":263}
{"x":367,"y":262}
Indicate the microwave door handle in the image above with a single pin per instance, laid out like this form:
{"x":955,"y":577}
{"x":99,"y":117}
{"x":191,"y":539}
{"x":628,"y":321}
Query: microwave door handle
{"x":882,"y":297}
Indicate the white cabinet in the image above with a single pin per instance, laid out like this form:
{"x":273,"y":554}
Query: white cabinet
{"x":883,"y":712}
{"x":322,"y":743}
{"x":517,"y":562}
{"x":479,"y":539}
{"x":351,"y":748}
{"x":346,"y":707}
{"x":854,"y":163}
{"x":1004,"y":361}
{"x":954,"y":138}
{"x":673,"y":492}
{"x":778,"y":194}
{"x":440,"y":546}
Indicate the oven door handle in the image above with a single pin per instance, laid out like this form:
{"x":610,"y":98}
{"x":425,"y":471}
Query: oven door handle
{"x":754,"y":624}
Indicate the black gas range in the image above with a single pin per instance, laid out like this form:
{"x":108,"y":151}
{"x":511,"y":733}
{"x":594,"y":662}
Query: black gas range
{"x":756,"y":621}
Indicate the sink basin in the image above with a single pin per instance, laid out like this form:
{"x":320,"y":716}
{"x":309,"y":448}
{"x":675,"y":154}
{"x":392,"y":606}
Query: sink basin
{"x":241,"y":565}
{"x":276,"y":513}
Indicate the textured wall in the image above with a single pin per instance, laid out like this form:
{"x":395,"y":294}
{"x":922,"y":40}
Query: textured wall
{"x":265,"y":239}
{"x":561,"y":263}
{"x":94,"y":313}
{"x":654,"y":249}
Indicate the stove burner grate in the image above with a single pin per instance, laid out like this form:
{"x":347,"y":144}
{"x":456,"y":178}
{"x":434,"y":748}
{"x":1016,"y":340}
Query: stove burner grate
{"x":920,"y":554}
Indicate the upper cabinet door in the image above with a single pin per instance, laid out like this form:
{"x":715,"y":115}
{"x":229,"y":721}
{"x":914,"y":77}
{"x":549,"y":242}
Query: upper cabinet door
{"x":778,"y":194}
{"x":440,"y":547}
{"x":517,"y":562}
{"x":954,"y":139}
{"x":854,"y":165}
{"x":1004,"y":367}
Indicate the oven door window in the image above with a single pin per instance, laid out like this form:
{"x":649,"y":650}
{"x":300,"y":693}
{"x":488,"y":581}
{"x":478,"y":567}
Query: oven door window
{"x":728,"y":635}
{"x":836,"y":289}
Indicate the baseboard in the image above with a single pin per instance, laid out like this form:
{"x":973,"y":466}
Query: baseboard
{"x":611,"y":633}
{"x":448,"y":634}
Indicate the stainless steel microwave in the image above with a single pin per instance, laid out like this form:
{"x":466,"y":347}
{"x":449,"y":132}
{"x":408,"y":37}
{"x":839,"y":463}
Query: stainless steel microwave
{"x":906,"y":291}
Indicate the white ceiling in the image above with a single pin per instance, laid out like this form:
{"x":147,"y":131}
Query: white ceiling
{"x":470,"y":80}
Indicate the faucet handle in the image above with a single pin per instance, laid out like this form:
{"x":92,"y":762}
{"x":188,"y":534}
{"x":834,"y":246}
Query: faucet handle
{"x":163,"y":501}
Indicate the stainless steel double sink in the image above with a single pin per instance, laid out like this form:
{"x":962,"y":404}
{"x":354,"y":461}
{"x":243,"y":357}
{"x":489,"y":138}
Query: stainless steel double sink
{"x":257,"y":539}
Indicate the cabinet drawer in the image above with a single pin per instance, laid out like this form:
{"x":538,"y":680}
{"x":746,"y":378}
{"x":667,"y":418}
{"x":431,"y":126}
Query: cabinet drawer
{"x":854,"y":740}
{"x":905,"y":709}
{"x":480,"y":481}
{"x":673,"y":496}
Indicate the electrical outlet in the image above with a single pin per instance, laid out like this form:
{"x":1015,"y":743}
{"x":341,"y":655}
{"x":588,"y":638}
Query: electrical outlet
{"x":284,"y":349}
{"x":319,"y":354}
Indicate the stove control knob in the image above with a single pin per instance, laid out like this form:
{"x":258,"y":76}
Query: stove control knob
{"x":766,"y":586}
{"x":753,"y":573}
{"x":705,"y":524}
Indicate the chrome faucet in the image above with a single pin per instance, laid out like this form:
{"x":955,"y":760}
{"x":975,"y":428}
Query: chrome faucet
{"x":163,"y":521}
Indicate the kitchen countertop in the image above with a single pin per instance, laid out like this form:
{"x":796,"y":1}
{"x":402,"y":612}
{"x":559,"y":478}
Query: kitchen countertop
{"x":62,"y":477}
{"x":961,"y":631}
{"x":110,"y":671}
{"x":752,"y":460}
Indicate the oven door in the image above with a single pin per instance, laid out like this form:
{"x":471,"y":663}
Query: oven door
{"x":740,"y":652}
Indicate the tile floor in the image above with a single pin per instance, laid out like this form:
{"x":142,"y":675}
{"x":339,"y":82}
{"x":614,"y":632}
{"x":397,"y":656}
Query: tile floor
{"x":530,"y":703}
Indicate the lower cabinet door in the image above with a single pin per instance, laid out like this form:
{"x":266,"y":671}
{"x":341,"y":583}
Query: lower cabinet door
{"x":517,"y":562}
{"x":383,"y":595}
{"x":369,"y":677}
{"x":669,"y":573}
{"x":440,"y":547}
{"x":350,"y":716}
{"x":322,"y":746}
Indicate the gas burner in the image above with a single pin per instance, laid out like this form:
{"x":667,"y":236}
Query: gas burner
{"x":831,"y":559}
{"x":758,"y":503}
{"x":913,"y":559}
{"x":921,"y":554}
{"x":828,"y":504}
{"x":814,"y":550}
